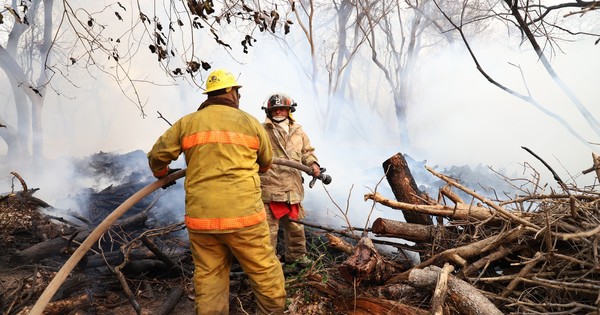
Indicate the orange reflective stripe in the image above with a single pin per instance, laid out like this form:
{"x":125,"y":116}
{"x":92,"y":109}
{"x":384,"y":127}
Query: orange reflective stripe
{"x":216,"y":136}
{"x":224,"y":223}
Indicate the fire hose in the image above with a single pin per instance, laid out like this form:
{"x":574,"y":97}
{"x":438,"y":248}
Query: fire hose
{"x":95,"y":235}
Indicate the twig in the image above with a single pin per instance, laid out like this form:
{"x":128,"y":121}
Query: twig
{"x":557,"y":178}
{"x":23,"y":184}
{"x":163,"y":118}
{"x":488,"y":202}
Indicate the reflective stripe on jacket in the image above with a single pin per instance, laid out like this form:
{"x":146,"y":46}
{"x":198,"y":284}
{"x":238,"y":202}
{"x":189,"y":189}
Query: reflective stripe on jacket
{"x":224,"y":148}
{"x":282,"y":183}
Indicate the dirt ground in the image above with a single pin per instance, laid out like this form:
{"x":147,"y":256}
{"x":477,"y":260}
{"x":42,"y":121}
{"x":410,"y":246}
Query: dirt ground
{"x":98,"y":290}
{"x":149,"y":292}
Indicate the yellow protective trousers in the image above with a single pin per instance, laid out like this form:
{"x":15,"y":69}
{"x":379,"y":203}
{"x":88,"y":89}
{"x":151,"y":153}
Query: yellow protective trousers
{"x":212,"y":254}
{"x":293,"y":235}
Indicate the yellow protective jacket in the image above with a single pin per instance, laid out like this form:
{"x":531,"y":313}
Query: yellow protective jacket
{"x":282,"y":183}
{"x":224,"y":148}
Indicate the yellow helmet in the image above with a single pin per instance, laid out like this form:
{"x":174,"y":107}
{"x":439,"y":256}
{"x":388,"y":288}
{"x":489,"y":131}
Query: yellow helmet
{"x":220,"y":79}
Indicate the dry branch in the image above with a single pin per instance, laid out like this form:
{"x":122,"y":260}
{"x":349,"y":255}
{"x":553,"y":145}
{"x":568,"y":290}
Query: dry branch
{"x":466,"y":298}
{"x":441,"y":288}
{"x":338,"y":243}
{"x":503,"y":212}
{"x":459,"y":212}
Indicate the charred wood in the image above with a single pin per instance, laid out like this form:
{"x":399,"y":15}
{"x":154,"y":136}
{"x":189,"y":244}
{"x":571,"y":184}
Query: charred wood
{"x":62,"y":245}
{"x":112,"y":258}
{"x":157,"y":252}
{"x":145,"y":266}
{"x":170,"y":302}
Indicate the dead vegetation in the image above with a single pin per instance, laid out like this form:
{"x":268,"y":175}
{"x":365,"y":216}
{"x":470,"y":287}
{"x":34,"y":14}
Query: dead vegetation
{"x":531,"y":253}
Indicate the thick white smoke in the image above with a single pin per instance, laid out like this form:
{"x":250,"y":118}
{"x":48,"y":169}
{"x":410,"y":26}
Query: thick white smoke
{"x":457,"y":118}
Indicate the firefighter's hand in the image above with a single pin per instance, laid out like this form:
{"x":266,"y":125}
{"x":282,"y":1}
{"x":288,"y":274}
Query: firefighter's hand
{"x":169,"y":184}
{"x":316,"y":169}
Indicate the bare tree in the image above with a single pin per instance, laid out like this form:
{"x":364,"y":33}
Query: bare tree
{"x":535,"y":22}
{"x":45,"y":42}
{"x":23,"y":58}
{"x":391,"y":33}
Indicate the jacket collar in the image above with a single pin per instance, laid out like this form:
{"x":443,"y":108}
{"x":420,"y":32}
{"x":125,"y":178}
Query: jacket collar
{"x":218,"y":100}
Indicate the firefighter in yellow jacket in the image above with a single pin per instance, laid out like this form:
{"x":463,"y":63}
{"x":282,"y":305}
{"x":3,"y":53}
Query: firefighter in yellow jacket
{"x":282,"y":187}
{"x":225,"y":148}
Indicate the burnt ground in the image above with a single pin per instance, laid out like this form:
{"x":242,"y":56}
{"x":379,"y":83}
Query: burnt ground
{"x":94,"y":287}
{"x":98,"y":290}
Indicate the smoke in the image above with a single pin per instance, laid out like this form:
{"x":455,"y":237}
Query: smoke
{"x":456,"y":119}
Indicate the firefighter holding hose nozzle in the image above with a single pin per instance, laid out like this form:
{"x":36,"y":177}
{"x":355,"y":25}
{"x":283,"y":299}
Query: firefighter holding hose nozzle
{"x":225,"y":148}
{"x":282,"y":186}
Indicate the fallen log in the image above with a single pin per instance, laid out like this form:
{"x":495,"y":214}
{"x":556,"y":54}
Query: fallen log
{"x":464,"y":297}
{"x":404,"y":188}
{"x":64,"y":244}
{"x":407,"y":231}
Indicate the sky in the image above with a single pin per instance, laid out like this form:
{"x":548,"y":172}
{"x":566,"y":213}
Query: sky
{"x":458,"y":119}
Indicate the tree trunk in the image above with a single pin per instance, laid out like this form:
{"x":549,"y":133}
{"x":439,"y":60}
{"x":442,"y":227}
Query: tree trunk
{"x":404,"y":188}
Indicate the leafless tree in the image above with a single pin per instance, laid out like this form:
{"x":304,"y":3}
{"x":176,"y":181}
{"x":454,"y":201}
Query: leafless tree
{"x":22,"y":57}
{"x":544,"y":27}
{"x":390,"y":34}
{"x":42,"y":41}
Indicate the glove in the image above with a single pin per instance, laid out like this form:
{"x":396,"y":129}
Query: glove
{"x":169,"y":184}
